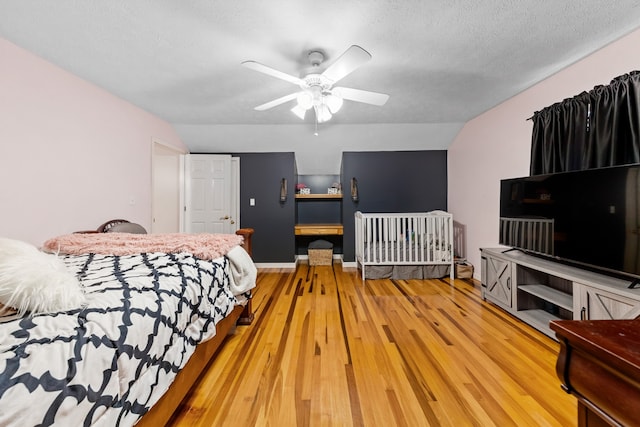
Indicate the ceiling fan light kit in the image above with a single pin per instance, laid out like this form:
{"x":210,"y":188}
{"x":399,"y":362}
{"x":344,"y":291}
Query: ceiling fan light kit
{"x":317,"y":89}
{"x":299,"y":111}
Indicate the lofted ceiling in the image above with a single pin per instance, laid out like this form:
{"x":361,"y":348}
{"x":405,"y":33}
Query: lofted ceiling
{"x":441,"y":62}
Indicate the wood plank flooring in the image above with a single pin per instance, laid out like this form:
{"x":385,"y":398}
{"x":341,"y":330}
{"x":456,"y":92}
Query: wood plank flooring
{"x":326,"y":349}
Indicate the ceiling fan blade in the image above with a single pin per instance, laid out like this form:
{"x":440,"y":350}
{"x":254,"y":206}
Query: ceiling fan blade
{"x":256,"y":66}
{"x":276,"y":102}
{"x":373,"y":98}
{"x":351,"y":59}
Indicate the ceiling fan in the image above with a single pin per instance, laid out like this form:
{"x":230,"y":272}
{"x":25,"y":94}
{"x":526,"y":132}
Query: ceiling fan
{"x":316,"y":88}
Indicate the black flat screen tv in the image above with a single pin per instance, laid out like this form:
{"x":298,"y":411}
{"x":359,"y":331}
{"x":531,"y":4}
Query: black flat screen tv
{"x":588,"y":218}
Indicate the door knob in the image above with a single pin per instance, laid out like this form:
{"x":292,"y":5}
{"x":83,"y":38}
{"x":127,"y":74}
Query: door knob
{"x":225,"y":217}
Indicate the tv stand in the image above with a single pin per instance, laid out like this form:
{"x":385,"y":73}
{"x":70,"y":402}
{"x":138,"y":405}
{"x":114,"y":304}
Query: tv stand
{"x":539,"y":290}
{"x":510,"y":250}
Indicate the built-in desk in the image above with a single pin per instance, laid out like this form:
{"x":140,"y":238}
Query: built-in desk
{"x":318,"y":229}
{"x":599,"y":363}
{"x":318,"y":216}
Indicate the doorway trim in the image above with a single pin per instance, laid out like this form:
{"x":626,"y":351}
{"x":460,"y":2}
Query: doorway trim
{"x":178,"y":206}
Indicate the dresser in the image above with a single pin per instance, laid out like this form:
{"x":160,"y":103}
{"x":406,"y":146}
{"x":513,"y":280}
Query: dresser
{"x":599,"y":363}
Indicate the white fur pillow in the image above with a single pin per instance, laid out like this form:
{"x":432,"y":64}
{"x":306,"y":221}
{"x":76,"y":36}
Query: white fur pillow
{"x":36,"y":282}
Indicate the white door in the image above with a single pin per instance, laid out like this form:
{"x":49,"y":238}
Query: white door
{"x":166,"y":191}
{"x":208,"y":194}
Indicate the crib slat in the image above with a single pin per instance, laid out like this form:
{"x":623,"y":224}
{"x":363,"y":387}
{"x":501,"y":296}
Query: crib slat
{"x":415,"y":236}
{"x":387,"y":240}
{"x":399,"y":237}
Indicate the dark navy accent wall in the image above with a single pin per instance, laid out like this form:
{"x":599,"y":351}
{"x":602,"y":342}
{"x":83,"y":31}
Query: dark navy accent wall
{"x":391,"y":181}
{"x":388,"y":181}
{"x":273,"y":221}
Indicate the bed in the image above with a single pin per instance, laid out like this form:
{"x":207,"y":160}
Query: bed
{"x":404,"y":245}
{"x":151,"y":319}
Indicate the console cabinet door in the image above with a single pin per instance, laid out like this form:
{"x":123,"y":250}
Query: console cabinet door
{"x":597,"y":304}
{"x":497,"y":280}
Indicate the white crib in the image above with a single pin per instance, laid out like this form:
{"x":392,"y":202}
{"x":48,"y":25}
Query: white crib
{"x":405,"y":245}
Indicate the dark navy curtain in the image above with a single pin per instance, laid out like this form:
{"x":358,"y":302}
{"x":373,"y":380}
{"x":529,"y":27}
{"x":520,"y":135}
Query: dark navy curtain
{"x":594,"y":129}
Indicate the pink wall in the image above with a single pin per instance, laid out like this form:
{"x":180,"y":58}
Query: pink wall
{"x":496,"y":144}
{"x":71,"y":154}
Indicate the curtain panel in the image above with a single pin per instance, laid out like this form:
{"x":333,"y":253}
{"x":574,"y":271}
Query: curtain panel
{"x":594,"y":129}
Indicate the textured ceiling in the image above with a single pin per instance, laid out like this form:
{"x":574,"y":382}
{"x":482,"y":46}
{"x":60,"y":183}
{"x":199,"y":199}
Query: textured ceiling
{"x":440,"y":61}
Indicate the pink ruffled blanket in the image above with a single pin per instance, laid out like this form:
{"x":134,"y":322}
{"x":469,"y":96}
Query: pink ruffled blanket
{"x":203,"y":246}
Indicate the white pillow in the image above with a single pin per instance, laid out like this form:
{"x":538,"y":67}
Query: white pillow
{"x":36,"y":282}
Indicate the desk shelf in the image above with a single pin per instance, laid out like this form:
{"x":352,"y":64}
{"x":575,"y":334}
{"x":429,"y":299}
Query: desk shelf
{"x":318,"y":229}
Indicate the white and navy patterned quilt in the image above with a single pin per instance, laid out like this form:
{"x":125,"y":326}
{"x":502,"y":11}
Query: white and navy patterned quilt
{"x":108,"y":363}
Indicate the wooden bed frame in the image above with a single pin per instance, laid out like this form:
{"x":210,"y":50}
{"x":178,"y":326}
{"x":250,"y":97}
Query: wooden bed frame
{"x":163,"y":410}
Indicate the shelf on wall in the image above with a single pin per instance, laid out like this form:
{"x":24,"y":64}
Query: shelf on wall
{"x":318,"y":196}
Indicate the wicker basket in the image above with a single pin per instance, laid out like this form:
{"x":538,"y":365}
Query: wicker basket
{"x":320,"y":252}
{"x":320,"y":256}
{"x":464,"y":270}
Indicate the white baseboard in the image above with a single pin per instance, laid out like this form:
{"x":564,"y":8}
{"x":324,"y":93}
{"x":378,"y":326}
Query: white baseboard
{"x":306,"y":257}
{"x":336,"y":257}
{"x":292,"y":265}
{"x":289,"y":265}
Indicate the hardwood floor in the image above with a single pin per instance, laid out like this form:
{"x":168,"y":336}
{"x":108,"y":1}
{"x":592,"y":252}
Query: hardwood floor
{"x":326,"y":349}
